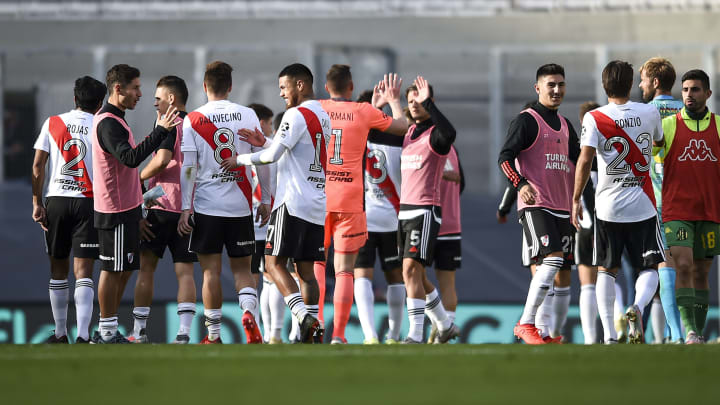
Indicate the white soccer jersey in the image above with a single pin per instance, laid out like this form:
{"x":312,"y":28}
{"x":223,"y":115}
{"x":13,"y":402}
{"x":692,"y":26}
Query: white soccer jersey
{"x":212,"y":132}
{"x":67,"y":140}
{"x":261,"y":231}
{"x":301,"y":169}
{"x":623,"y":136}
{"x":382,"y":186}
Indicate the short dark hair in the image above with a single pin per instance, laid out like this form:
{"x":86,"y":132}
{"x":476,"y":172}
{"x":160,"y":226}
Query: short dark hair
{"x":298,"y":71}
{"x":218,"y":77}
{"x":277,"y":120}
{"x":661,"y":69}
{"x":89,"y":93}
{"x":586,"y":107}
{"x":262,"y":112}
{"x":549,"y":69}
{"x":617,"y":78}
{"x":412,"y":87}
{"x":176,"y":86}
{"x":338,"y":78}
{"x":121,"y":74}
{"x":365,"y":96}
{"x":697,"y":74}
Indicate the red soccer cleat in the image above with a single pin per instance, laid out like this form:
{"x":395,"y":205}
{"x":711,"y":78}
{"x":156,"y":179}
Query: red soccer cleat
{"x":206,"y":341}
{"x":252,"y":332}
{"x":528,"y":333}
{"x":553,"y":340}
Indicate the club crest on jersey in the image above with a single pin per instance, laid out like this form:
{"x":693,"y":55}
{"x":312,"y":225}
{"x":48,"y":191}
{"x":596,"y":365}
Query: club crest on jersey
{"x":697,"y":150}
{"x":130,"y":257}
{"x":545,"y":240}
{"x":284,"y":128}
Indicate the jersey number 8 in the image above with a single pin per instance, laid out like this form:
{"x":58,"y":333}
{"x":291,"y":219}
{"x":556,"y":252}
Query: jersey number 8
{"x":221,"y":145}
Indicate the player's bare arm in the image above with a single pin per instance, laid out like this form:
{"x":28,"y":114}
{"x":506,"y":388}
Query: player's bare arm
{"x":389,"y":90}
{"x":263,"y":157}
{"x":157,"y":164}
{"x":187,"y":187}
{"x":145,"y":232}
{"x":39,"y":214}
{"x":452,"y":175}
{"x":582,"y":174}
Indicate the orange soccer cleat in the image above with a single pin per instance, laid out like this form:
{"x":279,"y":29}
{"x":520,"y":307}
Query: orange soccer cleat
{"x":528,"y":333}
{"x":252,"y":332}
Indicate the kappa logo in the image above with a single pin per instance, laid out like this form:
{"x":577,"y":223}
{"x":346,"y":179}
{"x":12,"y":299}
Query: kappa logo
{"x":413,"y":249}
{"x":545,"y":240}
{"x":697,"y":150}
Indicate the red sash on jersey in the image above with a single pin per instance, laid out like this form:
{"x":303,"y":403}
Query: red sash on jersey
{"x":59,"y":132}
{"x":314,"y":128}
{"x":387,"y":186}
{"x":607,"y":127}
{"x":206,"y":129}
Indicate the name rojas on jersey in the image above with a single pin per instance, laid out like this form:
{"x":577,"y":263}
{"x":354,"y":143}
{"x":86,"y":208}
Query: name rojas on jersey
{"x":212,"y":132}
{"x":67,"y":140}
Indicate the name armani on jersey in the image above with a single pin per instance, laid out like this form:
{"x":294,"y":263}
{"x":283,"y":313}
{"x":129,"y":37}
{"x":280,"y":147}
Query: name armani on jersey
{"x":556,"y":161}
{"x":222,"y":117}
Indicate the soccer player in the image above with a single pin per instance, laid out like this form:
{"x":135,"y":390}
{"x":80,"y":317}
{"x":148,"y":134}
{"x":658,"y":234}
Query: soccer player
{"x":159,"y":230}
{"x":543,"y":179}
{"x":622,"y":134}
{"x":657,"y":76}
{"x":66,"y":214}
{"x":220,"y":200}
{"x":117,"y":190}
{"x":382,"y":203}
{"x":425,"y":149}
{"x":296,"y":223}
{"x":345,"y":220}
{"x":691,"y":214}
{"x":448,"y":247}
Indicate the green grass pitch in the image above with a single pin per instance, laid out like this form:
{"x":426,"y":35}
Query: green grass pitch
{"x":355,"y":374}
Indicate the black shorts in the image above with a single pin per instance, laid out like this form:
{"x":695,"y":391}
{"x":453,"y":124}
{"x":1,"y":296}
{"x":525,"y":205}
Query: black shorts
{"x":584,"y":242}
{"x":385,"y":244}
{"x":164,"y":226}
{"x":257,"y":264}
{"x":545,"y":233}
{"x":448,"y":252}
{"x":120,"y":247}
{"x":417,"y":236}
{"x":210,"y":233}
{"x":70,"y":226}
{"x":642,"y":240}
{"x":293,"y":237}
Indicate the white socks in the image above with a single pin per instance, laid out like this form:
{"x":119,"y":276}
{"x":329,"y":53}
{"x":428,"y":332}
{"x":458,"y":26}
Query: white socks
{"x":605,"y":290}
{"x":416,"y":315}
{"x":108,"y":327}
{"x":543,"y":316}
{"x":265,"y":309}
{"x":395,"y":300}
{"x":657,"y":317}
{"x":84,"y":296}
{"x":277,"y":312}
{"x":436,"y":311}
{"x":141,"y":315}
{"x":365,"y":301}
{"x":59,"y":294}
{"x":186,"y":313}
{"x":561,"y":304}
{"x":539,"y":286}
{"x":247,"y":298}
{"x":213,"y":320}
{"x":645,"y":287}
{"x":297,"y":305}
{"x":588,"y":313}
{"x":619,"y":301}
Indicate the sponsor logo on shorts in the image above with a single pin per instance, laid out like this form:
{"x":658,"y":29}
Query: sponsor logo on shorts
{"x":353,"y":235}
{"x":413,"y":249}
{"x":89,"y":245}
{"x":651,"y":252}
{"x":106,"y":257}
{"x":268,"y":245}
{"x":389,"y":259}
{"x":457,"y":258}
{"x":130,"y":257}
{"x":682,"y":234}
{"x":545,"y":240}
{"x":245,"y":243}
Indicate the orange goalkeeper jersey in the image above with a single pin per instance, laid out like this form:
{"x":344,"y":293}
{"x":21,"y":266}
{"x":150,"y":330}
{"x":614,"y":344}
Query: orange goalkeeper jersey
{"x":351,"y":122}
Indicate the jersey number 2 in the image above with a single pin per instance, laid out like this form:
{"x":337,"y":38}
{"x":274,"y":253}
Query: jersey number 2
{"x":67,"y":168}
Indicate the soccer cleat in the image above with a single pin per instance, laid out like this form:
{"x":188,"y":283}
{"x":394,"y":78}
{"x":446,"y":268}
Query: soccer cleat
{"x":252,"y":332}
{"x":390,"y":341}
{"x":433,"y":335}
{"x":275,"y":341}
{"x":528,"y":333}
{"x":372,"y":341}
{"x":410,"y":341}
{"x":336,"y":340}
{"x":308,"y":328}
{"x":116,"y":339}
{"x":611,"y":342}
{"x":621,"y":326}
{"x":693,"y":339}
{"x":54,"y":339}
{"x":319,"y":336}
{"x":635,"y":324}
{"x":80,"y":340}
{"x":181,"y":340}
{"x":141,"y":337}
{"x":206,"y":341}
{"x":553,"y":340}
{"x":445,"y":336}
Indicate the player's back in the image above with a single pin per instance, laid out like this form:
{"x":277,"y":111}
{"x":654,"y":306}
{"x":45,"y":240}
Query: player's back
{"x":382,"y":181}
{"x":351,"y":123}
{"x":68,"y":140}
{"x":301,"y":169}
{"x":212,"y":131}
{"x":623,"y":135}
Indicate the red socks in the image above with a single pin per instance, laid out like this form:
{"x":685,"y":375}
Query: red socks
{"x":342,"y":302}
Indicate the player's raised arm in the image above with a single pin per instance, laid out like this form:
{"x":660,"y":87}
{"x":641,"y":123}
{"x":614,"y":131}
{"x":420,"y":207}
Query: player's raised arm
{"x":388,"y":92}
